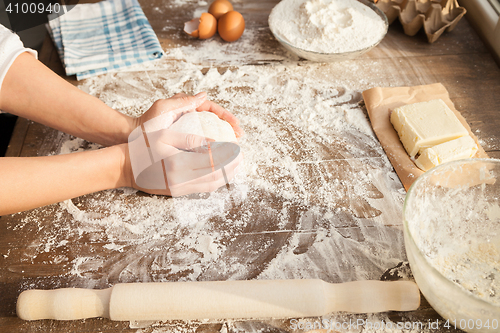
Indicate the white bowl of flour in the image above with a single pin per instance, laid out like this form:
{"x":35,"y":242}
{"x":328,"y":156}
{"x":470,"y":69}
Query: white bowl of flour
{"x":328,"y":30}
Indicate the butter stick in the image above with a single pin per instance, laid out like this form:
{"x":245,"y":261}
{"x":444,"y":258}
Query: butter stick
{"x":426,"y":124}
{"x":463,"y":147}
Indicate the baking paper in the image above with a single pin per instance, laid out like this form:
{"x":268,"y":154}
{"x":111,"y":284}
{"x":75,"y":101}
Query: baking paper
{"x":381,"y":101}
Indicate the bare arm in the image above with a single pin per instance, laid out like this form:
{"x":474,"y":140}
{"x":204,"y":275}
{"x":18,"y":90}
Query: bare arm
{"x":33,"y":91}
{"x":30,"y":182}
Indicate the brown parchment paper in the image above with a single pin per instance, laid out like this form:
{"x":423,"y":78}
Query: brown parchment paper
{"x":381,"y":101}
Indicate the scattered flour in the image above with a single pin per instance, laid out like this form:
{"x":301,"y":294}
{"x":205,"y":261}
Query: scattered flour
{"x":327,"y":26}
{"x":74,"y":145}
{"x":316,"y":197}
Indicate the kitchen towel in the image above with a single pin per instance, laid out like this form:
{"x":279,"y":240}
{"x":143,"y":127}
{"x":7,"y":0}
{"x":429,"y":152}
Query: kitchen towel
{"x":103,"y":37}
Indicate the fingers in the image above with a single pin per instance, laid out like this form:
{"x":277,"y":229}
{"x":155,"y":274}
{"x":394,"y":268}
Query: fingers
{"x":164,"y":112}
{"x":181,"y":153}
{"x":182,"y":100}
{"x":223,"y":114}
{"x":188,"y":165}
{"x":208,"y":182}
{"x":181,"y":182}
{"x":206,"y":175}
{"x":179,"y":103}
{"x":219,"y":111}
{"x":184,"y":141}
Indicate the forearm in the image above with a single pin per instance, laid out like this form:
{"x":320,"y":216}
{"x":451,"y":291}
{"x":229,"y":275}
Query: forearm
{"x":30,"y":182}
{"x":33,"y":91}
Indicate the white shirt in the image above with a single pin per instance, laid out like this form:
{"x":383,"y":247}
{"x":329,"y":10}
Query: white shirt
{"x":10,"y":47}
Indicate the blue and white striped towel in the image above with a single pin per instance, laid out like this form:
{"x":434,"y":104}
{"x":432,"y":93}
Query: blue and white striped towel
{"x":103,"y":37}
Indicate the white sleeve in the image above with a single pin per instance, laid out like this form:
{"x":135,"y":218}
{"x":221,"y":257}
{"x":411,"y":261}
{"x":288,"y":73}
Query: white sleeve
{"x":10,"y":47}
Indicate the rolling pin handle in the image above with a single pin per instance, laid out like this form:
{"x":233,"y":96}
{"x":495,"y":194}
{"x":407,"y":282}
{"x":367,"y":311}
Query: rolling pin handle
{"x":63,"y":304}
{"x":373,"y":296}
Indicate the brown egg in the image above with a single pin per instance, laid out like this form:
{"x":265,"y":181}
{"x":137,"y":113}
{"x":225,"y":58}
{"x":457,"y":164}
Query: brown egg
{"x":230,"y":26}
{"x":219,"y":8}
{"x":203,"y":27}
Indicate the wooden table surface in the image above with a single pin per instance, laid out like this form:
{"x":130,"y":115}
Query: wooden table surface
{"x":354,"y":235}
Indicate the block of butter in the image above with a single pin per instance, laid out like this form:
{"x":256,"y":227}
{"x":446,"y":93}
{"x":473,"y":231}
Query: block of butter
{"x":426,"y":124}
{"x":463,"y":147}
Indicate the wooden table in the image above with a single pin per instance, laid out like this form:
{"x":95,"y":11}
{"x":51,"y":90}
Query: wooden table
{"x":353,"y":236}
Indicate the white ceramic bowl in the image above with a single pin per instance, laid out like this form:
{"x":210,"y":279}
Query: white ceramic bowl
{"x":452,"y":239}
{"x":330,"y":57}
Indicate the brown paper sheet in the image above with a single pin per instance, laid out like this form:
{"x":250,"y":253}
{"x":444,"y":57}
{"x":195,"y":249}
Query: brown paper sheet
{"x":381,"y":101}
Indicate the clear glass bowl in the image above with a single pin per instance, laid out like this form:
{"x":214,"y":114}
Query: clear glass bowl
{"x":330,"y":57}
{"x":452,"y":239}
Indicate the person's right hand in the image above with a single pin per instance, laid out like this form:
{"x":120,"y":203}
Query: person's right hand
{"x":170,"y":163}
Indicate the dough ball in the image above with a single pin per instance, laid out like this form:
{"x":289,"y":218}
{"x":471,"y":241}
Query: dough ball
{"x":205,"y":124}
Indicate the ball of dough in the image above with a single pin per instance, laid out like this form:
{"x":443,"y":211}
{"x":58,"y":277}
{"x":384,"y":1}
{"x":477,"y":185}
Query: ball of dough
{"x":205,"y":124}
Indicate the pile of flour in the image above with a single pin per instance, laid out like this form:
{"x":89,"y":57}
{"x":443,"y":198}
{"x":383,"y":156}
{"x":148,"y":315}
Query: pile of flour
{"x":327,"y":26}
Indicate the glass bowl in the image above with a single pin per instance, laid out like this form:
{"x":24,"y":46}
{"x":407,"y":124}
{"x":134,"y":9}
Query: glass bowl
{"x":452,"y":238}
{"x":331,"y":57}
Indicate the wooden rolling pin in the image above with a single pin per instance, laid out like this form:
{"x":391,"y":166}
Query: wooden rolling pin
{"x":218,"y":300}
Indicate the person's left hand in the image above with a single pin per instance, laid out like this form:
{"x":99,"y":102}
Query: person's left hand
{"x":183,"y":103}
{"x":160,"y":161}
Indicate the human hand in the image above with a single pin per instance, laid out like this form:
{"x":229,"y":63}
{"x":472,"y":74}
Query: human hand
{"x":177,"y":164}
{"x":161,"y":161}
{"x":180,"y":103}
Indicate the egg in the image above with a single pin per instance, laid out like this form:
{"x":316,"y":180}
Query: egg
{"x":219,"y":8}
{"x":230,"y":26}
{"x":203,"y":27}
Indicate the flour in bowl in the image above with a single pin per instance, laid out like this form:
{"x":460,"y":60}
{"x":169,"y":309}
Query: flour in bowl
{"x":327,"y":26}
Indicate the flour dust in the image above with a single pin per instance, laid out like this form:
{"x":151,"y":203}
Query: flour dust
{"x":316,"y":196}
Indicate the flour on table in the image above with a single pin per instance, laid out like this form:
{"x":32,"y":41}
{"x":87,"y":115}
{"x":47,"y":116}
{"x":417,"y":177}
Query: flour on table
{"x":294,"y":122}
{"x":327,"y":26}
{"x":317,"y":197}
